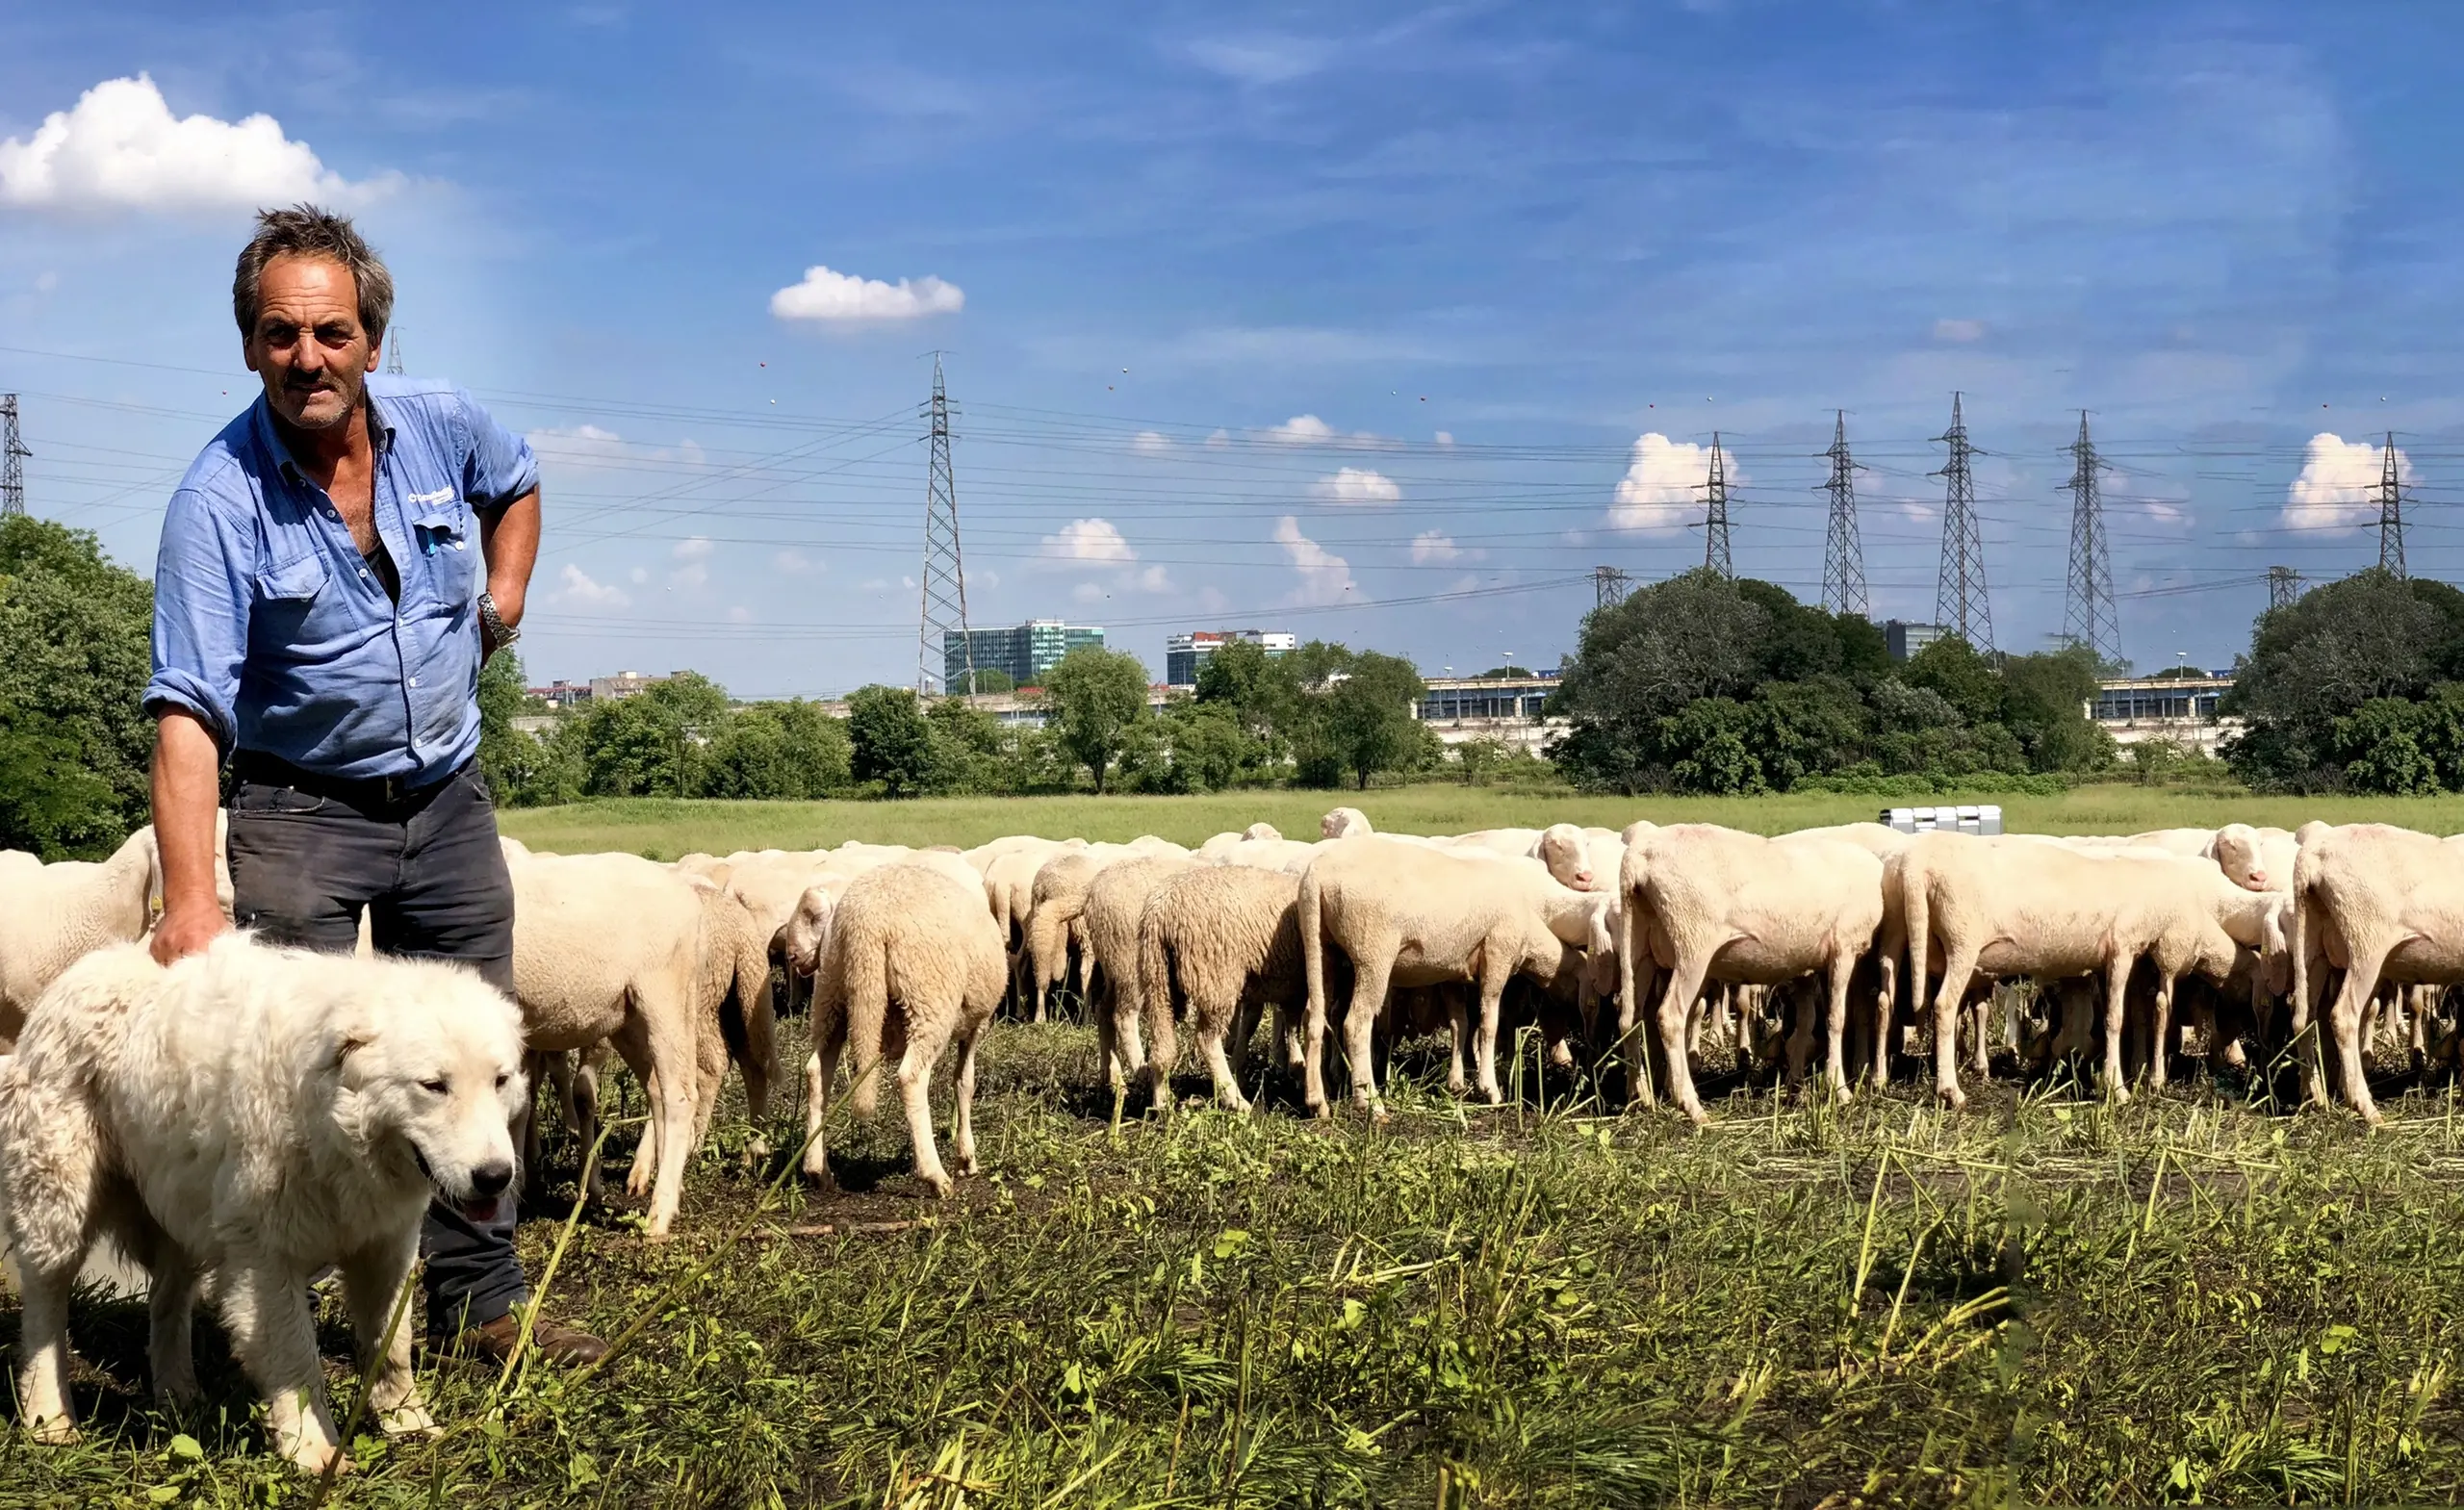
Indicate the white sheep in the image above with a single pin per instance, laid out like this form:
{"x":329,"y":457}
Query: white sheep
{"x":2382,"y":904}
{"x":1115,"y":900}
{"x":1408,"y":916}
{"x":53,"y":915}
{"x":1708,"y":903}
{"x":912,"y":964}
{"x":1219,"y":941}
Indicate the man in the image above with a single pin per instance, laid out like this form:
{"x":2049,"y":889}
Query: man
{"x":318,"y":623}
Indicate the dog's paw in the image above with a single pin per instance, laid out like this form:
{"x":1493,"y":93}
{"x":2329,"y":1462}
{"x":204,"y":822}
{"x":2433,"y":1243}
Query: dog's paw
{"x":409,"y":1420}
{"x":317,"y":1459}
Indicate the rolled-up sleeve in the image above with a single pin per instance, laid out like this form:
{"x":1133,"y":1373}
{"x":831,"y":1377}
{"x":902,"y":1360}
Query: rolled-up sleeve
{"x":203,"y":576}
{"x":498,"y":466}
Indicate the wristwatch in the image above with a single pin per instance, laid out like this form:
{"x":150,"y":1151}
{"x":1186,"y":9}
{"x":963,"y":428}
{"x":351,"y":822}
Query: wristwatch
{"x":499,"y":632}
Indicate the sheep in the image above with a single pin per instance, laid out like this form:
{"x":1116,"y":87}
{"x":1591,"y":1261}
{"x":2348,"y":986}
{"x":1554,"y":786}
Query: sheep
{"x":1711,"y":903}
{"x":2051,"y":913}
{"x":53,"y":915}
{"x":1115,"y":899}
{"x":1405,"y":916}
{"x":1053,"y":916}
{"x":1344,"y":823}
{"x":2379,"y":902}
{"x":912,"y":964}
{"x":1220,"y":939}
{"x":610,"y":946}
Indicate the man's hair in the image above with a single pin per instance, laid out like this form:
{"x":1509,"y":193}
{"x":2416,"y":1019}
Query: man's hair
{"x":306,"y":231}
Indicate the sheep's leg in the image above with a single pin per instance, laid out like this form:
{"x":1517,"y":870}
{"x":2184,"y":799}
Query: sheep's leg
{"x":821,"y":1068}
{"x":170,"y":1305}
{"x":372,"y":1281}
{"x":1360,"y":1026}
{"x":915,"y":1096}
{"x":2361,"y":980}
{"x":1458,"y":1028}
{"x":1496,"y":973}
{"x":2422,"y":997}
{"x":2164,"y":1035}
{"x":963,"y":1133}
{"x":2116,"y":1008}
{"x":644,"y":1173}
{"x":1684,"y":985}
{"x":1981,"y":1020}
{"x":1835,"y":1064}
{"x":264,"y":1308}
{"x":1800,"y":1035}
{"x":1227,"y":1079}
{"x":1959,"y":966}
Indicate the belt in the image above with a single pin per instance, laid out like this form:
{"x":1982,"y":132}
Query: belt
{"x":367,"y":793}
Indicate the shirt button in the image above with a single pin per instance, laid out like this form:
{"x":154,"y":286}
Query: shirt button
{"x":415,"y":681}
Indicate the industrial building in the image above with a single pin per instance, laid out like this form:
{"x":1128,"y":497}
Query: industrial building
{"x":2177,"y":709}
{"x":1185,"y":653}
{"x":1508,"y":710}
{"x":1905,"y":638}
{"x":1023,"y":653}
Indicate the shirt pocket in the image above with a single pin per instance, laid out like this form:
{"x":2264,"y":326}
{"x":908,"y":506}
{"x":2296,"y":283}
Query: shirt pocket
{"x":294,"y":584}
{"x":443,"y":539}
{"x":286,"y":616}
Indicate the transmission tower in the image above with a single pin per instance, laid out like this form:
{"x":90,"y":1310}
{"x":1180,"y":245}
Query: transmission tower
{"x":943,"y":579}
{"x":2391,"y":514}
{"x":2091,"y":618}
{"x":393,"y":351}
{"x":2284,"y":585}
{"x":1843,"y":551}
{"x":12,"y":457}
{"x":1610,"y":585}
{"x":1715,"y":515}
{"x":1959,"y":603}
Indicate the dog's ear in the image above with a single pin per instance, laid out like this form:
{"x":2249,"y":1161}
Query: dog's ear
{"x":344,"y":1047}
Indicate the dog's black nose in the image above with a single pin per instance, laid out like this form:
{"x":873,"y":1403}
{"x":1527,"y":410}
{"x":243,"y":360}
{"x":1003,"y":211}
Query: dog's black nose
{"x":491,"y":1179}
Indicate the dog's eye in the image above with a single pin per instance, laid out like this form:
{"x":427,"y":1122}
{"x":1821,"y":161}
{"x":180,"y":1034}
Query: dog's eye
{"x":435,"y":1087}
{"x":502,"y":1080}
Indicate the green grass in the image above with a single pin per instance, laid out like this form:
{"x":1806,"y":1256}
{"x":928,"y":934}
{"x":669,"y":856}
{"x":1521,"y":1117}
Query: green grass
{"x":666,"y":827}
{"x":2037,"y":1300}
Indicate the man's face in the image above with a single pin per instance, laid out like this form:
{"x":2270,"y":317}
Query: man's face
{"x":308,"y":346}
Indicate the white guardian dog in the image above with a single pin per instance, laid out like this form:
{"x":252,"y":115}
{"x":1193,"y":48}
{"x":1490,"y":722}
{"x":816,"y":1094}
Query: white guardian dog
{"x":241,"y":1121}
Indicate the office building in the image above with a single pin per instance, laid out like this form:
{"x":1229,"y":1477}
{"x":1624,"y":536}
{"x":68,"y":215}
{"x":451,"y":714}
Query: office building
{"x":1905,"y":638}
{"x":1185,"y":653}
{"x":1023,"y":653}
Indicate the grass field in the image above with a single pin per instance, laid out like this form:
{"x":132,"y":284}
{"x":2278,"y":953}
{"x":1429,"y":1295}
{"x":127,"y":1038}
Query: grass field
{"x":2039,"y":1299}
{"x":665,"y":828}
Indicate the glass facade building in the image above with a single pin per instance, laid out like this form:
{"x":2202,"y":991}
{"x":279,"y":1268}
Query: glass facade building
{"x":1185,"y":653}
{"x":1023,"y":653}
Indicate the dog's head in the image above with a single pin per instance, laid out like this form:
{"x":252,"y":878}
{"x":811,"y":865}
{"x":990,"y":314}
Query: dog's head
{"x":428,"y":1072}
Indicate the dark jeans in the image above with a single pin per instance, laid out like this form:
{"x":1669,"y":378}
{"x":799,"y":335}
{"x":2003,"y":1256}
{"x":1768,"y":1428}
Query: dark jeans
{"x":428,"y":869}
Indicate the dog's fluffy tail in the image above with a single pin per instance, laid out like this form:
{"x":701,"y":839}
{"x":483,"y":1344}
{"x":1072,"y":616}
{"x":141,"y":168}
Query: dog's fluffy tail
{"x":866,"y":965}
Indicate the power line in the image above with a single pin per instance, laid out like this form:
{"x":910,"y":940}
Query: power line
{"x":13,"y":456}
{"x":1960,"y":601}
{"x":2391,"y":514}
{"x":2089,"y":618}
{"x":1843,"y":550}
{"x":1717,"y":554}
{"x":942,"y":590}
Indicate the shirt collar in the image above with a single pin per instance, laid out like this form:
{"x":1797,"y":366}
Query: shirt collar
{"x":380,"y":434}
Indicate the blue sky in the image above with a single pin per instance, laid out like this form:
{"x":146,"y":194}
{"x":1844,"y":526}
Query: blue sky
{"x":1381,"y":323}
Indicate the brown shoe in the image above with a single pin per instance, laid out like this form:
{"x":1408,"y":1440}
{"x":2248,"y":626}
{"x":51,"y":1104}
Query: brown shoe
{"x":494,"y":1341}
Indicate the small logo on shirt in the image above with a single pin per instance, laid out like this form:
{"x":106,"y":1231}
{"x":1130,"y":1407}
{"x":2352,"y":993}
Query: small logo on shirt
{"x":440,"y":496}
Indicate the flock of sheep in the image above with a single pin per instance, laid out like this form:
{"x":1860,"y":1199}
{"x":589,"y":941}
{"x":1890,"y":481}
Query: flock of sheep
{"x":1625,"y":949}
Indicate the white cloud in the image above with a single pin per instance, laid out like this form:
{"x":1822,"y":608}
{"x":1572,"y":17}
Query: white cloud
{"x":1358,"y":485}
{"x":1445,"y":437}
{"x":1434,"y":545}
{"x":795,"y":563}
{"x":1324,"y":576}
{"x":1154,"y":443}
{"x":693,"y":555}
{"x":592,"y":445}
{"x":2339,"y":483}
{"x":1302,"y":429}
{"x":1962,"y":331}
{"x":1089,"y":592}
{"x":829,"y":295}
{"x":1263,"y":59}
{"x":740,"y":614}
{"x":1087,"y":539}
{"x":120,"y":148}
{"x":640,"y":574}
{"x":1220,"y":439}
{"x":1662,"y":489}
{"x":575,"y":587}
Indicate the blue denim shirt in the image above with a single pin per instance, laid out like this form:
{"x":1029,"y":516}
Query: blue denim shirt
{"x":271,"y":628}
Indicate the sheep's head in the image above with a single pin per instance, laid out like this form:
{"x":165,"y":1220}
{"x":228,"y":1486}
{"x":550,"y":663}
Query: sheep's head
{"x":1563,"y":849}
{"x":2238,"y":855}
{"x":1342,"y":823}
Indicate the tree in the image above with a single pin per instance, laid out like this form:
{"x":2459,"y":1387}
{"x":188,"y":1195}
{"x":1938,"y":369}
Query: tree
{"x":986,"y":682}
{"x":501,"y":752}
{"x":1094,"y":697}
{"x":2319,"y":659}
{"x":1641,"y":661}
{"x":890,"y":740}
{"x":1368,"y":717}
{"x":74,"y":740}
